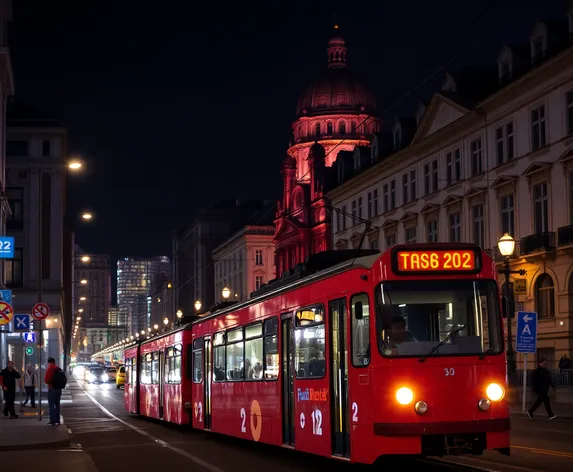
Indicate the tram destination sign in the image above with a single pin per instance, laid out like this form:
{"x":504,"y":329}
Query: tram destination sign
{"x":432,"y":262}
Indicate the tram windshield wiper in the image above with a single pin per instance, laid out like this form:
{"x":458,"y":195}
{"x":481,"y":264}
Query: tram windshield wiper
{"x":449,"y":336}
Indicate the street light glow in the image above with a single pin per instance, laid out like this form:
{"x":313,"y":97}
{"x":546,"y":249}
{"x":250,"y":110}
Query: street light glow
{"x":179,"y":314}
{"x":198,"y":305}
{"x":75,"y":165}
{"x":165,"y":321}
{"x":84,"y":281}
{"x":85,"y":258}
{"x":506,"y":245}
{"x":87,"y":216}
{"x":83,"y":299}
{"x":226,"y":292}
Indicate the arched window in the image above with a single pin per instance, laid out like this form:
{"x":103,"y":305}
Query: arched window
{"x":353,"y":127}
{"x":545,"y":296}
{"x":342,"y":127}
{"x":317,"y":128}
{"x":329,"y":129}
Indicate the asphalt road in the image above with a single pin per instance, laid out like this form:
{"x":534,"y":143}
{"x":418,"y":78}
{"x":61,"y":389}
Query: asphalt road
{"x":146,"y":445}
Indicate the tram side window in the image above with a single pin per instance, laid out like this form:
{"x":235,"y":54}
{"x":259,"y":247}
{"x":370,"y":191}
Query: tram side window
{"x":127,"y":367}
{"x":310,"y":340}
{"x":198,"y":360}
{"x":155,"y":368}
{"x":360,"y":330}
{"x":235,"y":355}
{"x":146,"y":369}
{"x":219,"y":357}
{"x":254,"y":352}
{"x":271,"y":348}
{"x":173,"y":365}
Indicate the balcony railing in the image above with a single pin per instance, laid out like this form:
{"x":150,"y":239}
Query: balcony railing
{"x":565,"y":235}
{"x":537,"y":242}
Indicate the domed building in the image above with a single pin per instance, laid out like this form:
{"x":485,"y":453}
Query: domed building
{"x":336,"y":112}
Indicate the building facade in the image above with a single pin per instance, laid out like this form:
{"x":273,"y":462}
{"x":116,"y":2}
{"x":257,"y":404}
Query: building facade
{"x":162,"y":300}
{"x":93,"y":291}
{"x":6,"y":91}
{"x":193,"y":246}
{"x":134,"y":278}
{"x":36,"y":149}
{"x":244,"y":262}
{"x":483,"y":161}
{"x":335,"y":113}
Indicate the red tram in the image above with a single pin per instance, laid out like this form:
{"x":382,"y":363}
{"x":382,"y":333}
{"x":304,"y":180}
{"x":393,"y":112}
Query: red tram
{"x":368,"y":355}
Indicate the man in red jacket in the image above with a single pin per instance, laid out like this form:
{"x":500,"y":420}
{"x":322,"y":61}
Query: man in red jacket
{"x":54,"y":394}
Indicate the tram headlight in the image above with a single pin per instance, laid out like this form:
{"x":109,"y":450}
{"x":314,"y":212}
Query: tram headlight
{"x":404,"y":396}
{"x":495,"y":392}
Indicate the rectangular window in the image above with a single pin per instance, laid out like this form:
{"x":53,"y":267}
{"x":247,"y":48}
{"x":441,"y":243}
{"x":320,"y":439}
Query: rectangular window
{"x":271,"y":348}
{"x":375,"y":202}
{"x":391,"y":240}
{"x":453,"y":166}
{"x":413,"y":193}
{"x":455,"y":227}
{"x":435,"y":181}
{"x":146,"y":369}
{"x":360,"y":330}
{"x":14,"y":269}
{"x":431,"y":177}
{"x":155,"y":368}
{"x":405,"y":188}
{"x":569,"y":112}
{"x":46,"y":148}
{"x":476,"y":157}
{"x":254,"y":352}
{"x":258,"y":282}
{"x":353,"y":212}
{"x":235,"y":355}
{"x":432,"y":227}
{"x":15,"y":196}
{"x":538,"y":132}
{"x":392,"y":194}
{"x":343,"y":217}
{"x":259,"y":257}
{"x":541,"y":208}
{"x":507,"y":214}
{"x":374,"y":244}
{"x":504,"y":143}
{"x":386,"y":197}
{"x":173,"y":365}
{"x":310,"y":338}
{"x":219,"y":359}
{"x":478,"y":225}
{"x":198,"y":360}
{"x":411,"y":235}
{"x":359,"y":208}
{"x":369,"y":206}
{"x":427,"y":179}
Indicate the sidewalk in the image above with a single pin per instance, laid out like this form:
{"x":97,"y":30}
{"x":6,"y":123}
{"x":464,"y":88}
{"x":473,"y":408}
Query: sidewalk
{"x":27,"y":432}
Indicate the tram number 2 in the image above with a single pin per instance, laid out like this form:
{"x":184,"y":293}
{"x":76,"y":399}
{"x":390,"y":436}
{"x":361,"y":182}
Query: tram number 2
{"x":317,"y":422}
{"x":449,"y":372}
{"x":243,"y":421}
{"x":354,"y":412}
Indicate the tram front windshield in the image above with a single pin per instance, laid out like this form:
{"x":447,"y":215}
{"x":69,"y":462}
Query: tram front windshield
{"x":438,"y":318}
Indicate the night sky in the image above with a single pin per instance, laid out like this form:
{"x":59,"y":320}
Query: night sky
{"x":175,"y":104}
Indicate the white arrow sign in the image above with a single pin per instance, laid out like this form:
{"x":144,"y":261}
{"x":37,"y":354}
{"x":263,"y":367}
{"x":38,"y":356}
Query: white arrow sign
{"x":527,"y":318}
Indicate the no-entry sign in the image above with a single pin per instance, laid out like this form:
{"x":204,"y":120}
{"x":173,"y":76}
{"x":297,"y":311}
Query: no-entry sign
{"x":6,"y":313}
{"x":40,"y":311}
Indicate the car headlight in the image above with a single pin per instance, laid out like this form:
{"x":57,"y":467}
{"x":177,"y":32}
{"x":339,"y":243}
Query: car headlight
{"x":104,"y":377}
{"x":404,"y":396}
{"x":495,"y":392}
{"x":92,"y":377}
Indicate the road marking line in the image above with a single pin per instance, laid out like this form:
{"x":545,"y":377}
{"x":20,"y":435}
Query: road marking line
{"x":454,"y":464}
{"x":545,"y":451}
{"x":495,"y":463}
{"x":181,"y":452}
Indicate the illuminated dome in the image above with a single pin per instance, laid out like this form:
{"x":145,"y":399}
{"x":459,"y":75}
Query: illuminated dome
{"x":336,"y":90}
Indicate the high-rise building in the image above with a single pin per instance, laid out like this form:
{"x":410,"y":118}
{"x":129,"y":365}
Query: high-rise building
{"x":93,"y":291}
{"x":134,"y":279}
{"x":113,"y":318}
{"x":6,"y":90}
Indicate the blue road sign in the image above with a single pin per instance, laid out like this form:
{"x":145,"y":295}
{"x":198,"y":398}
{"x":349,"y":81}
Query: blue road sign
{"x":6,"y":247}
{"x":30,"y":337}
{"x":526,"y":336}
{"x":21,"y":322}
{"x":6,"y":296}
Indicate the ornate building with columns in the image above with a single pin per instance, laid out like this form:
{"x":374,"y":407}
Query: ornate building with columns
{"x":335,"y":113}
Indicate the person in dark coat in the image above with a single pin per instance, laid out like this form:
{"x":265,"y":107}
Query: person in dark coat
{"x":541,"y":381}
{"x":8,"y":379}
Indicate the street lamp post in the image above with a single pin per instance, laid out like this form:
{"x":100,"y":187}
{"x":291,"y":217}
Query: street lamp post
{"x":226,"y":292}
{"x":506,"y":247}
{"x":198,"y":305}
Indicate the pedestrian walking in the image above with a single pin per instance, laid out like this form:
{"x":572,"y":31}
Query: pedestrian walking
{"x":30,"y":386}
{"x":56,"y":381}
{"x":541,"y":381}
{"x":8,"y":379}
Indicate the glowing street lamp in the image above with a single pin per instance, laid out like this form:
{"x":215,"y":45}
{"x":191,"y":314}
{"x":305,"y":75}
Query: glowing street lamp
{"x":179,"y":314}
{"x":87,"y":216}
{"x":198,"y":305}
{"x":85,"y":258}
{"x":226,"y":292}
{"x":156,"y":326}
{"x":506,"y":245}
{"x":83,"y":299}
{"x":165,"y":321}
{"x":75,"y":164}
{"x":84,"y":281}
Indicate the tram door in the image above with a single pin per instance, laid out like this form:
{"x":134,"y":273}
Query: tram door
{"x":207,"y":384}
{"x":159,"y":357}
{"x":287,"y":367}
{"x":339,"y":377}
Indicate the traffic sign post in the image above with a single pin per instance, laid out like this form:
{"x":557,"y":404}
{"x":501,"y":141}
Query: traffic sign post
{"x":6,"y":247}
{"x":526,"y":342}
{"x":6,"y":313}
{"x":40,"y":312}
{"x":21,"y":322}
